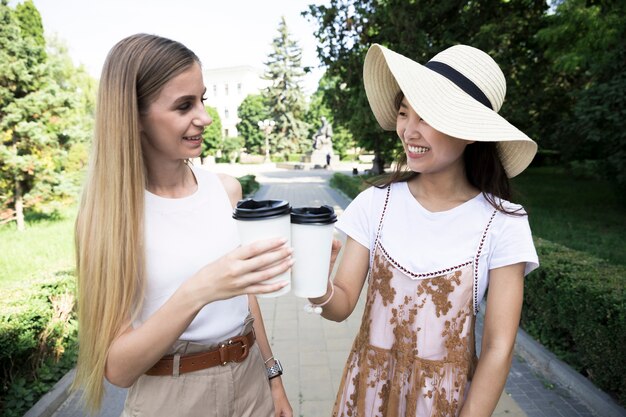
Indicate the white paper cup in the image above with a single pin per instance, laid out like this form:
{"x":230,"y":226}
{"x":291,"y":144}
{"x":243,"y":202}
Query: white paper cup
{"x":311,"y":239}
{"x":265,"y":219}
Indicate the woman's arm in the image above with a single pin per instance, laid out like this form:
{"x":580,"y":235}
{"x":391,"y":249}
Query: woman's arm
{"x":502,"y":316}
{"x":282,"y":408}
{"x":241,"y":271}
{"x":348,"y":282}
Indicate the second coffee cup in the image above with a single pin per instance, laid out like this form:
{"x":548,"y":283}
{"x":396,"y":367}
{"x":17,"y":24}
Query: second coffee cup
{"x":311,"y":239}
{"x":265,"y":219}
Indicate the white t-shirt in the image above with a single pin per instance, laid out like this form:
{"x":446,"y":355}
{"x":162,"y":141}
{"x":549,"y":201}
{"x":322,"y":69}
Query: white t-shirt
{"x":424,"y":241}
{"x":182,"y":235}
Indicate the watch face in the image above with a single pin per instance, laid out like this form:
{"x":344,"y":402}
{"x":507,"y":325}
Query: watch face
{"x":275,"y":370}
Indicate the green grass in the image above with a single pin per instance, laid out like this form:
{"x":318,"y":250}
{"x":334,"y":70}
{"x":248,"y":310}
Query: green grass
{"x":582,"y":214}
{"x":45,"y":246}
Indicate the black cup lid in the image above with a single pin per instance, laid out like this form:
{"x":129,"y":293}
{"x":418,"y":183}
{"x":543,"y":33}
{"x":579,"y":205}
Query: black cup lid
{"x":250,"y":209}
{"x":313,"y":215}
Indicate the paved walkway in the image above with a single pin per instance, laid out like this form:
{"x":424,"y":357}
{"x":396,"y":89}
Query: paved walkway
{"x":313,"y":350}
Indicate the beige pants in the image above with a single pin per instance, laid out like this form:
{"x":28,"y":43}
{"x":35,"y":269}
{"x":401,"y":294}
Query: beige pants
{"x":233,"y":390}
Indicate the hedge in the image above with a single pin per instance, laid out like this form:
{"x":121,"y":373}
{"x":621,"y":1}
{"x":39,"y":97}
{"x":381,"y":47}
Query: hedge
{"x":350,"y":186}
{"x":249,"y":184}
{"x":38,"y":340}
{"x":575,"y":305}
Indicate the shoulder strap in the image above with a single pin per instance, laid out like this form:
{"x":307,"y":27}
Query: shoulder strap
{"x":477,"y":258}
{"x":382,"y":216}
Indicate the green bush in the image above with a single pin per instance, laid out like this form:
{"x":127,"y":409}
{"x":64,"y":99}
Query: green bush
{"x":575,"y":305}
{"x":350,"y":186}
{"x":38,"y":340}
{"x":249,"y":184}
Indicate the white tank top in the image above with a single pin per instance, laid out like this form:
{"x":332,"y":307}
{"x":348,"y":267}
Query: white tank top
{"x":182,"y":235}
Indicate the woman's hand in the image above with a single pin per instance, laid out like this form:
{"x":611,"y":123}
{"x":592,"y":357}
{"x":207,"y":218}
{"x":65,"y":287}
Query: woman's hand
{"x":282,"y":408}
{"x":242,"y":271}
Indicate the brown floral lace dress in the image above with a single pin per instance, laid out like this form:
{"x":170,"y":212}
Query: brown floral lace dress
{"x":415,"y":352}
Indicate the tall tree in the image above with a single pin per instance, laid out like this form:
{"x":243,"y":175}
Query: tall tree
{"x":252,"y":110}
{"x":285,"y":97}
{"x":418,"y":29}
{"x":585,"y":46}
{"x":31,"y":26}
{"x":37,"y":104}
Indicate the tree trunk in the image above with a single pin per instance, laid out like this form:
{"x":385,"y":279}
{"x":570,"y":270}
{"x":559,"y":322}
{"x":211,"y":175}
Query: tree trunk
{"x":378,"y":164}
{"x":19,"y":206}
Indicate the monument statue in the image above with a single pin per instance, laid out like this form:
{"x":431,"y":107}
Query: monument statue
{"x":324,"y":135}
{"x":322,"y":153}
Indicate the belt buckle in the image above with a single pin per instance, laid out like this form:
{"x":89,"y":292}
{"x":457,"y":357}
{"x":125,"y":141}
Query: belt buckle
{"x":224,"y":348}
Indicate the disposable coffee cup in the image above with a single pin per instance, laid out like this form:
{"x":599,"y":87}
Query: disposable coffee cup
{"x":311,"y":239}
{"x":265,"y":219}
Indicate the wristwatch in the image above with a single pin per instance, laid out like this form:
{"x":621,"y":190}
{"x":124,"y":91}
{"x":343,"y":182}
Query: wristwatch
{"x":275,"y":370}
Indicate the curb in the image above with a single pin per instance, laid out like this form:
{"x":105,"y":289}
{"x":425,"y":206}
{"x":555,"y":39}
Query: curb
{"x":554,"y":369}
{"x":52,"y":400}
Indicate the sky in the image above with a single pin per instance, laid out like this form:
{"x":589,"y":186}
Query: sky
{"x":222,"y":33}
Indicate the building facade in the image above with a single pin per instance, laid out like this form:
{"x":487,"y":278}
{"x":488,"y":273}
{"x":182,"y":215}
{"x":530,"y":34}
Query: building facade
{"x":227,"y":88}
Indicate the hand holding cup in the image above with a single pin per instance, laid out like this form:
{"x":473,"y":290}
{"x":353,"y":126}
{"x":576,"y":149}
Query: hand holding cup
{"x":257,"y":220}
{"x":247,"y":269}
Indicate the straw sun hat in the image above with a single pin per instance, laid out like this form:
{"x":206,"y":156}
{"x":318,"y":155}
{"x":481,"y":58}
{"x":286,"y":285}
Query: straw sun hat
{"x":458,"y":92}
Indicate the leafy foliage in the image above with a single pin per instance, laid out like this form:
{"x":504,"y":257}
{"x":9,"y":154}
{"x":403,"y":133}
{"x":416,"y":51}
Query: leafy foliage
{"x":350,"y":186}
{"x":45,"y":110}
{"x":249,"y":184}
{"x":231,"y":146}
{"x":346,"y":29}
{"x":285,"y":97}
{"x":212,"y":135}
{"x":584,"y":42}
{"x":252,"y":110}
{"x":38,"y":340}
{"x":565,"y":68}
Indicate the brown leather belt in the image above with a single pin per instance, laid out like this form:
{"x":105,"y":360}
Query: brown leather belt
{"x":234,"y":350}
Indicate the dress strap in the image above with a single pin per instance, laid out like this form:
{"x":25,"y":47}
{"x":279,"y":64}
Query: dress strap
{"x":479,"y":251}
{"x":380,"y":225}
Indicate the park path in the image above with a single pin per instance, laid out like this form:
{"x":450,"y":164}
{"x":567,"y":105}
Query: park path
{"x":313,"y":350}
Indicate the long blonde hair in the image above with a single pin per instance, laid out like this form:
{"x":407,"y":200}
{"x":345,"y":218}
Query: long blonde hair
{"x":109,"y":228}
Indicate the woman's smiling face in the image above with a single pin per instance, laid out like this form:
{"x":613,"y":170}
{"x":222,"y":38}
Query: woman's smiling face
{"x":427,"y":150}
{"x":172,"y":126}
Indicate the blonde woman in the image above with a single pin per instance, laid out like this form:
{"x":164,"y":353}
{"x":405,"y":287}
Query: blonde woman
{"x":166,"y":304}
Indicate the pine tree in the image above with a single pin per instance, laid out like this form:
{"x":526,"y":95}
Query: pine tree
{"x":285,"y":96}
